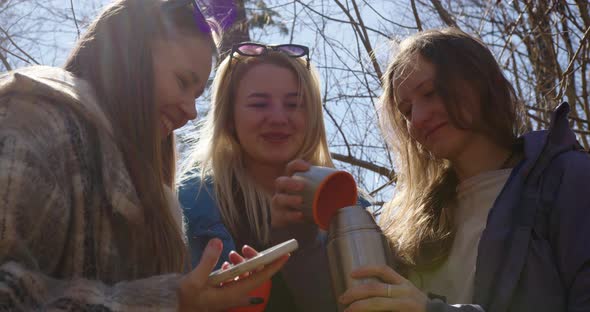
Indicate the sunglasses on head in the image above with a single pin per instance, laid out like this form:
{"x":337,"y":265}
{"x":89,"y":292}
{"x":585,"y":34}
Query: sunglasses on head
{"x":257,"y":49}
{"x":200,"y":19}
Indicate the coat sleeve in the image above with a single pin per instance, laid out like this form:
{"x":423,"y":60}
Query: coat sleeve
{"x":570,"y":225}
{"x":35,"y":215}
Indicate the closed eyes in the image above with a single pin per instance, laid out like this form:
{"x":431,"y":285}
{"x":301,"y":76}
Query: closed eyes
{"x":182,"y":83}
{"x":257,"y":105}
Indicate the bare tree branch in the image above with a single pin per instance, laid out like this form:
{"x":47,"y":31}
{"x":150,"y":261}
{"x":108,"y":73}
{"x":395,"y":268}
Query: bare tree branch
{"x":339,"y":20}
{"x":386,"y":172}
{"x":5,"y":62}
{"x":385,"y":18}
{"x":444,"y":15}
{"x":583,"y":7}
{"x":547,"y":111}
{"x":574,"y":58}
{"x":15,"y":55}
{"x":294,"y":21}
{"x":366,"y":41}
{"x":7,"y":35}
{"x":74,"y":16}
{"x":509,"y":38}
{"x":416,"y":16}
{"x":361,"y":30}
{"x":339,"y":128}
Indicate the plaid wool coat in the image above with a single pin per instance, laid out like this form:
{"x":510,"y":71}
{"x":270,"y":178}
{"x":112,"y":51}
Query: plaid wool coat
{"x":66,"y":201}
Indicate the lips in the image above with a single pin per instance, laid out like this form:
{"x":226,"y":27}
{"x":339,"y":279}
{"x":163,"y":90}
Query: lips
{"x":276,"y":137}
{"x":170,"y":123}
{"x":432,"y":130}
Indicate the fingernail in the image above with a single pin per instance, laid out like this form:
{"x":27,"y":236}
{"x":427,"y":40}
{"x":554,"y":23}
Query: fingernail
{"x":256,"y":300}
{"x":216,"y":244}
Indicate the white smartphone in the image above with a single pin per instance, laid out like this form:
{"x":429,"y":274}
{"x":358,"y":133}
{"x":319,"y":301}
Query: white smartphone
{"x":262,"y":258}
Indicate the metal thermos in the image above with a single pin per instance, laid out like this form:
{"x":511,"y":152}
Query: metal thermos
{"x":354,"y":240}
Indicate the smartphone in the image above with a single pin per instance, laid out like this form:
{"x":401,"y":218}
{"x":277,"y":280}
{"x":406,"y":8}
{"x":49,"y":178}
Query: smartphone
{"x":262,"y":258}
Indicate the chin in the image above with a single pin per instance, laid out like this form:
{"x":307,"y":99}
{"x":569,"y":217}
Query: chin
{"x":445,"y":152}
{"x":277,"y":159}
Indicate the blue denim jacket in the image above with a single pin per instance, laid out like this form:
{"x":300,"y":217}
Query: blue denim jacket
{"x":306,"y":273}
{"x":534,"y":254}
{"x":203,"y":220}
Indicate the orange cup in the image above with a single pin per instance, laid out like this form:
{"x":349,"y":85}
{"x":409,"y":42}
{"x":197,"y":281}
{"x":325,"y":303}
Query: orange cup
{"x":326,"y":190}
{"x":263,"y":291}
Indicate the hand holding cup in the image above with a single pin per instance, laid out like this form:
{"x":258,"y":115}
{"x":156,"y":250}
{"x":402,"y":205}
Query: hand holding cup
{"x":286,"y":202}
{"x":311,"y":193}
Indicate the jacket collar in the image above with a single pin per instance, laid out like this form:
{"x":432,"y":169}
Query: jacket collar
{"x":556,"y":139}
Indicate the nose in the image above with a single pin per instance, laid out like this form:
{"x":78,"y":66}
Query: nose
{"x":421,"y":115}
{"x":189,"y":108}
{"x":278,"y":114}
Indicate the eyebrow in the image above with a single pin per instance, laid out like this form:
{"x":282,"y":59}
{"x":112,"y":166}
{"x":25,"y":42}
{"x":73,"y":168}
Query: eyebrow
{"x":428,"y":79}
{"x":266,"y":95}
{"x":258,"y":95}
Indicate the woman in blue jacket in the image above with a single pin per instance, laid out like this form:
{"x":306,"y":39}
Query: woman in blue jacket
{"x":266,"y":111}
{"x":483,"y":219}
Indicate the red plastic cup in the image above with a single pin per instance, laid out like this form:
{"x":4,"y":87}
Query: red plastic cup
{"x":263,"y":291}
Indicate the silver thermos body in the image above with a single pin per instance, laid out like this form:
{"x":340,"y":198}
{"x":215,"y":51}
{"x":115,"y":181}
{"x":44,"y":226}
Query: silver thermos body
{"x":354,"y":240}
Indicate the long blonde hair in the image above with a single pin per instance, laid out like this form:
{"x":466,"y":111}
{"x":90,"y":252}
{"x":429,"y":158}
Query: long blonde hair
{"x":218,"y":154}
{"x":115,"y":57}
{"x":418,"y":220}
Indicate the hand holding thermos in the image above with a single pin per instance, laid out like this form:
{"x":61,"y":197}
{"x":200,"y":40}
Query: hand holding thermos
{"x":359,"y":256}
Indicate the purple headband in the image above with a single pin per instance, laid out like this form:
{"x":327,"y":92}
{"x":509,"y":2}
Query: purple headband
{"x":222,"y":12}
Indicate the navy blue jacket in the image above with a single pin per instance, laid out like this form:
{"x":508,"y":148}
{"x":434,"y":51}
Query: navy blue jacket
{"x":534,"y":254}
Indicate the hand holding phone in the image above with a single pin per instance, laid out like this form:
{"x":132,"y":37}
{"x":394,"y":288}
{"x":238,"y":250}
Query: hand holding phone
{"x":263,"y":258}
{"x":195,"y":293}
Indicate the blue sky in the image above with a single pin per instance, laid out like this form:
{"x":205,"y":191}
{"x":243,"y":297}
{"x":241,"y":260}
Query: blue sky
{"x":350,"y":97}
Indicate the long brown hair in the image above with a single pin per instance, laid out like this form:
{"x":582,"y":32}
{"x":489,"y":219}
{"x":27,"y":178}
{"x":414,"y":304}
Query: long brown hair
{"x":418,"y":220}
{"x":218,"y":154}
{"x":115,"y":57}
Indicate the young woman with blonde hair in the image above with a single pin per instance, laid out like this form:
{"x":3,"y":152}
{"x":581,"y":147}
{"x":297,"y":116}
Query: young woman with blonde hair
{"x":86,"y":164}
{"x":483,"y":218}
{"x":266,"y":111}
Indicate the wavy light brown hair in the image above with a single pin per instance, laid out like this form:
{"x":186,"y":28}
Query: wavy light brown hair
{"x":218,"y":155}
{"x":418,"y":221}
{"x":115,"y":57}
